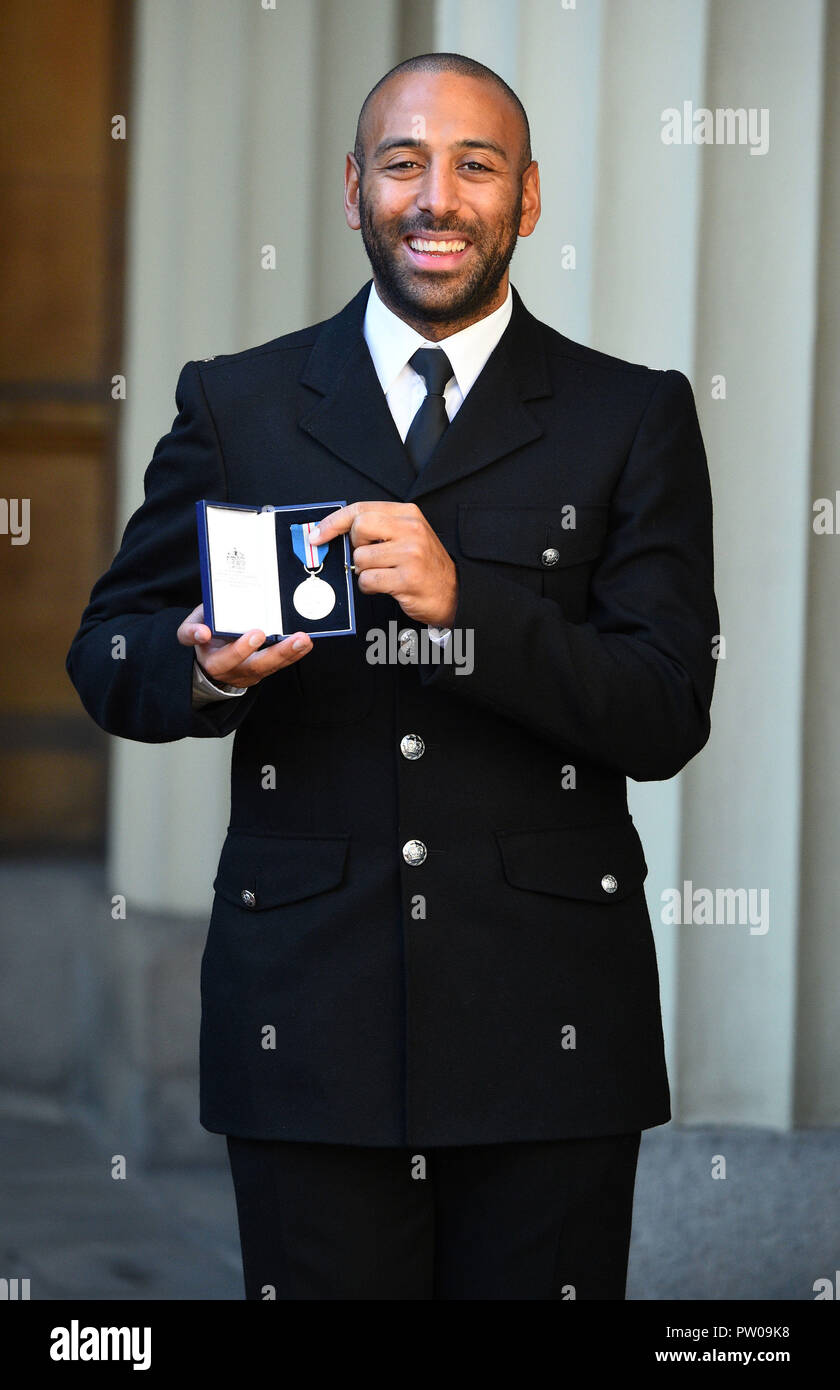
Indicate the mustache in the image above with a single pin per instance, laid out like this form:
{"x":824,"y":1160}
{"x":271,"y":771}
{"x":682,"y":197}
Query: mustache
{"x":447,"y":227}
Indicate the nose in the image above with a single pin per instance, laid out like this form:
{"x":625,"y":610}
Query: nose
{"x":438,"y":192}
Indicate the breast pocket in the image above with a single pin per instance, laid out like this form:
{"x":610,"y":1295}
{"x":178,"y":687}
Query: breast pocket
{"x":551,"y":550}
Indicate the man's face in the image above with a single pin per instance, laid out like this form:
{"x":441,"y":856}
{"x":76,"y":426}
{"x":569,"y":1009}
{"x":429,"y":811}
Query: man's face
{"x":443,"y":166}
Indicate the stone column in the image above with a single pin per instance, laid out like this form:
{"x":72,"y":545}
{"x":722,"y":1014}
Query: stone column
{"x":756,"y":325}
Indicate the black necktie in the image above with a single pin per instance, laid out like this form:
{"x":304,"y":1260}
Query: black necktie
{"x":431,"y":419}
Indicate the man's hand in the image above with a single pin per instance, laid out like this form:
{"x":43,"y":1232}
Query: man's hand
{"x":238,"y":663}
{"x":396,"y":552}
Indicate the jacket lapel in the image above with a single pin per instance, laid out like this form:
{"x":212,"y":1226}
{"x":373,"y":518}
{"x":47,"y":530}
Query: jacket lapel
{"x":352,"y":418}
{"x":353,"y":421}
{"x":493,"y":421}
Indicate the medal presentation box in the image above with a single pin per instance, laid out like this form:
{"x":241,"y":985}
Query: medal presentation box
{"x":260,"y":569}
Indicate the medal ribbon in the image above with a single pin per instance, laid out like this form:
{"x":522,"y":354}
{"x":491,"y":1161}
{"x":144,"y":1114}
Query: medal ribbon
{"x":310,"y":556}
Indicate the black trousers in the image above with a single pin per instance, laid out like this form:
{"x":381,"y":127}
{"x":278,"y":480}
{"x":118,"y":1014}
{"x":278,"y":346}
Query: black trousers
{"x":546,"y":1220}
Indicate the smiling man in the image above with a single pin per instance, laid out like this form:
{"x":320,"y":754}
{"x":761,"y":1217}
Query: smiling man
{"x":430,"y":1010}
{"x":440,"y":209}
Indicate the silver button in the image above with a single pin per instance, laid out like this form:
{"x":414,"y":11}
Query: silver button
{"x":609,"y":883}
{"x":248,"y":898}
{"x":412,"y":746}
{"x":550,"y":557}
{"x":414,"y":852}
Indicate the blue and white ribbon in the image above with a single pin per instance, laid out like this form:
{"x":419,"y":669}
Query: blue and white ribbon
{"x":310,"y":556}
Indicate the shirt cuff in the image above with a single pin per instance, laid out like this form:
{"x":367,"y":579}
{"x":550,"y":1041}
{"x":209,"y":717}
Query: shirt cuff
{"x":205,"y":690}
{"x":440,"y":635}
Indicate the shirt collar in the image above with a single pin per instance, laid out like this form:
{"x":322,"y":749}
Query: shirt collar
{"x":392,"y":342}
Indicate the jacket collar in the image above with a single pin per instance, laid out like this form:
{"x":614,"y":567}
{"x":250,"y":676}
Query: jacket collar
{"x":353,"y":421}
{"x":392,"y":342}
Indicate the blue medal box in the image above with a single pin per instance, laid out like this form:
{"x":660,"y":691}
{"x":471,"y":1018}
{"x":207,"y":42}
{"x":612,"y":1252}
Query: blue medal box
{"x":253,"y":571}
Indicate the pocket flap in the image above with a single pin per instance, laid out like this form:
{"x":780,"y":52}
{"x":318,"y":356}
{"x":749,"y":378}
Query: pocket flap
{"x":520,"y":535}
{"x":602,"y":863}
{"x":266,"y":870}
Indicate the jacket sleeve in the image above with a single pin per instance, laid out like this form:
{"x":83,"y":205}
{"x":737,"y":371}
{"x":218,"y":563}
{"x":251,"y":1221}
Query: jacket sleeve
{"x":630,"y":688}
{"x":133,"y":676}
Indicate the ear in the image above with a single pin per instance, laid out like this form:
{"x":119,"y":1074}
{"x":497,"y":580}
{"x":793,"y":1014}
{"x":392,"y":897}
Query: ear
{"x":352,"y":181}
{"x":531,"y":205}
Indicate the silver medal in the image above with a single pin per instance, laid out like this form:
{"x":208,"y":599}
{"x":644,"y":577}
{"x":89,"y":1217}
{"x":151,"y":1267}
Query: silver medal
{"x":314,"y":598}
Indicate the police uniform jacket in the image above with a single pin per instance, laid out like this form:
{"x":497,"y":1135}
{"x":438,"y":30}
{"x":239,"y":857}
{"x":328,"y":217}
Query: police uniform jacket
{"x":437,"y":901}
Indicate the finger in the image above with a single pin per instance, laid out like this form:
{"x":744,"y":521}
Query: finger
{"x":385,"y":521}
{"x":335,"y":524}
{"x":382,"y":555}
{"x":341,"y":521}
{"x":260,"y":664}
{"x":194,"y":635}
{"x":232,"y":654}
{"x":383,"y":581}
{"x":280,"y":654}
{"x":193,"y":629}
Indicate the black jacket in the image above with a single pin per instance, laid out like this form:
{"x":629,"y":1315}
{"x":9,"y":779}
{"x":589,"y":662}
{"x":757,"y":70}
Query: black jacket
{"x":506,"y":988}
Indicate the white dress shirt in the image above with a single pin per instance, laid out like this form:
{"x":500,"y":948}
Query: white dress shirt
{"x":391,"y":342}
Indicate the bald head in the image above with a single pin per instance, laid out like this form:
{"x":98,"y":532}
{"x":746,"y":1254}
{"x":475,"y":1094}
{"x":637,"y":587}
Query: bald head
{"x":432,"y":63}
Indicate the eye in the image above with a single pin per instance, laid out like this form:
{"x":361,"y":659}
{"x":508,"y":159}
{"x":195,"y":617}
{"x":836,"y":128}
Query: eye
{"x":404,"y":164}
{"x":475,"y":166}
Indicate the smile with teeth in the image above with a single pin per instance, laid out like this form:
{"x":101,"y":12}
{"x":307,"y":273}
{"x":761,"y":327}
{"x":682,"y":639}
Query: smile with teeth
{"x":436,"y":248}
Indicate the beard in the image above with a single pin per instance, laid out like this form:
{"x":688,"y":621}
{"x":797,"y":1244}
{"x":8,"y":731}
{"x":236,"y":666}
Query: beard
{"x":438,"y":297}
